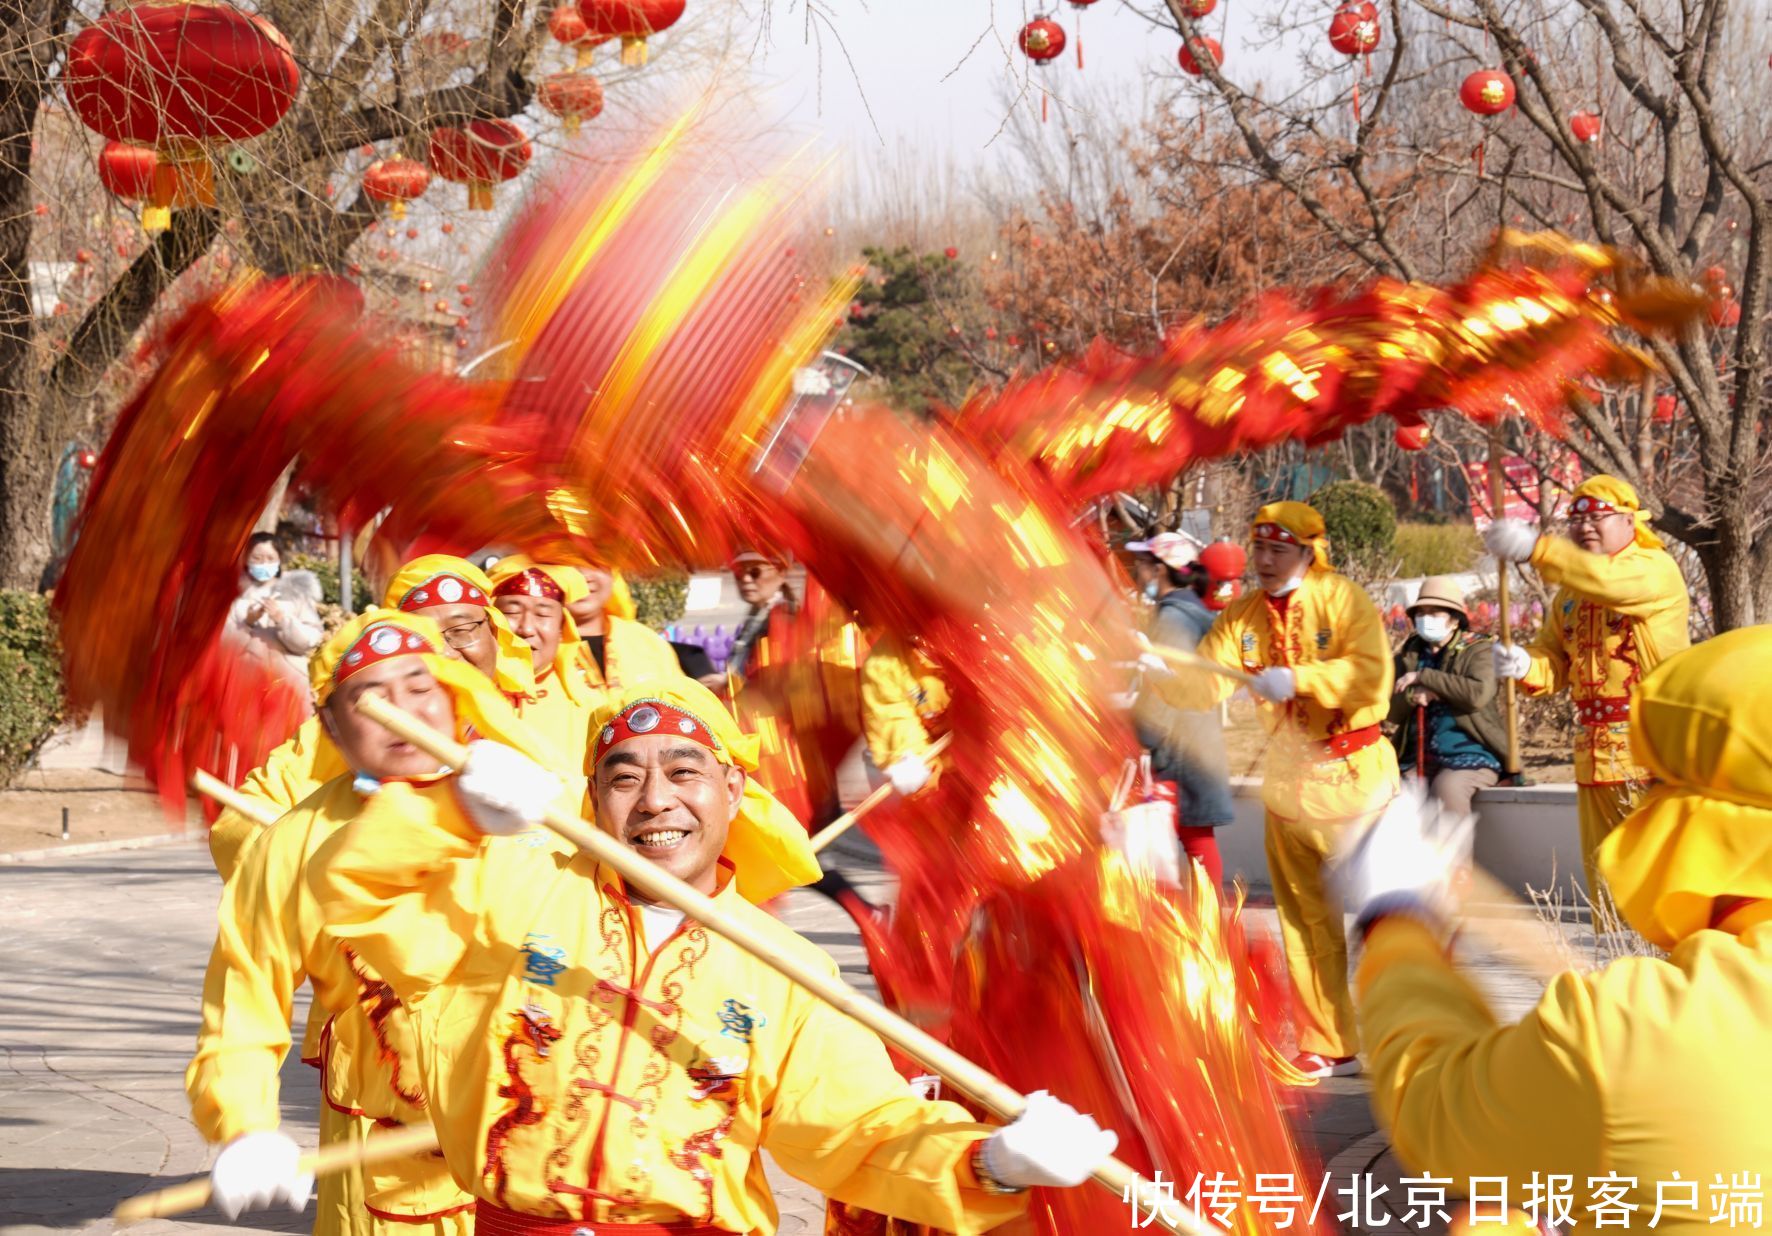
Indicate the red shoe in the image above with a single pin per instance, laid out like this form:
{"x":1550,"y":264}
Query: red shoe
{"x":1317,"y":1066}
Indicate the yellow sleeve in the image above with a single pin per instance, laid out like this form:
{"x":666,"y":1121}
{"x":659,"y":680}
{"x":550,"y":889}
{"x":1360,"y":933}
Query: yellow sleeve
{"x":889,"y":718}
{"x":647,"y":653}
{"x":844,"y":1122}
{"x":1362,"y":676}
{"x":249,"y":989}
{"x":1463,"y":1096}
{"x":1549,"y":671}
{"x":1638,"y":583}
{"x":289,"y":774}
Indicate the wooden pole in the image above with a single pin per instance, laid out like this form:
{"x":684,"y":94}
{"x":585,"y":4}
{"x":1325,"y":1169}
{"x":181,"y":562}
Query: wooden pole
{"x":1193,"y":660}
{"x":225,"y":794}
{"x":194,"y":1194}
{"x":1498,"y":504}
{"x":996,"y":1097}
{"x":848,"y":820}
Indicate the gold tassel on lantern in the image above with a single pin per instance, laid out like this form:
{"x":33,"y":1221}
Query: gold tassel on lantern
{"x":479,"y":195}
{"x":633,"y":50}
{"x":397,"y":209}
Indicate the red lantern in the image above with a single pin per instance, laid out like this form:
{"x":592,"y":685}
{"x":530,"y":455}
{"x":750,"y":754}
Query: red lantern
{"x":480,"y":154}
{"x":631,"y":21}
{"x":448,"y":227}
{"x":1487,"y":92}
{"x":396,"y":181}
{"x":567,"y":25}
{"x":1224,"y":563}
{"x":574,"y":97}
{"x":1197,"y":9}
{"x":1080,"y":5}
{"x":87,"y":459}
{"x":127,"y":171}
{"x":444,"y":44}
{"x":1585,"y":126}
{"x":1354,"y":30}
{"x":951,"y":253}
{"x":1189,"y":64}
{"x":1725,"y":313}
{"x":177,"y":77}
{"x":1413,"y":437}
{"x":1667,"y":407}
{"x":1042,"y":40}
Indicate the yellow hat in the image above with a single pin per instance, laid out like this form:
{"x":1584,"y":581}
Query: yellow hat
{"x":1296,"y":523}
{"x":1702,"y":723}
{"x":1621,"y":496}
{"x":571,"y":584}
{"x":481,"y":711}
{"x":767,"y":845}
{"x":440,"y":579}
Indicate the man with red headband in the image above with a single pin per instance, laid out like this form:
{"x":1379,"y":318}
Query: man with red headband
{"x":269,"y":939}
{"x":535,"y":599}
{"x":601,"y":1063}
{"x":1621,"y":609}
{"x":1314,"y":645}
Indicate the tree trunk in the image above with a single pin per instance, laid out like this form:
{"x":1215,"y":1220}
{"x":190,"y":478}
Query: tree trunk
{"x":1729,"y":570}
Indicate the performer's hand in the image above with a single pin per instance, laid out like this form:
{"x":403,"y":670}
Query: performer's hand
{"x":259,"y":1170}
{"x":1407,"y":862}
{"x":1051,"y":1143}
{"x":1151,"y":663}
{"x":1511,"y":540}
{"x":1511,"y":661}
{"x":1275,"y":684}
{"x":504,"y":790}
{"x":908,"y":774}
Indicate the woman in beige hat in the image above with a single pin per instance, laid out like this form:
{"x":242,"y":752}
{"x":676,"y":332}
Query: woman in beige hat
{"x":1446,"y":675}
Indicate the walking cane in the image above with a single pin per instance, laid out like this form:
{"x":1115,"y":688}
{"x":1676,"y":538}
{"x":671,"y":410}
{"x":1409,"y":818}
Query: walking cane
{"x":1511,"y":763}
{"x":994,"y":1095}
{"x":1421,"y":742}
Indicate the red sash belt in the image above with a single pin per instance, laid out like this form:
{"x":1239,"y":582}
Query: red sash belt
{"x":1340,"y":746}
{"x":490,"y":1220}
{"x":1602,"y":710}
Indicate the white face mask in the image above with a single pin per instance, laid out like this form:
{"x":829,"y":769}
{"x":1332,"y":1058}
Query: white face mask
{"x":1434,"y":628}
{"x":1287,"y":588}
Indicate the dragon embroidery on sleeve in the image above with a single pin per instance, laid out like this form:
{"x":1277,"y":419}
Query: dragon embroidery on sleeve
{"x":534,"y":1030}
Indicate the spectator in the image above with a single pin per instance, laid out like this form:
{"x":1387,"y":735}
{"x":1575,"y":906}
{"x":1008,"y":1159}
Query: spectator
{"x":275,"y":610}
{"x":1445,"y":673}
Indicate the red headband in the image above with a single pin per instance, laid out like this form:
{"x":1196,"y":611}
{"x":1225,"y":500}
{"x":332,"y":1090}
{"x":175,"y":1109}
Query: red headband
{"x":1586,"y":505}
{"x":443,"y":589}
{"x":1275,"y":532}
{"x":533,"y":582}
{"x":380,"y":641}
{"x":650,"y":716}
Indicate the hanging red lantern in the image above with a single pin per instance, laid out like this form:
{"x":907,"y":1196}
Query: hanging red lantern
{"x":448,"y":227}
{"x":180,"y":77}
{"x":1725,"y":313}
{"x":127,"y":171}
{"x":1197,"y":9}
{"x":444,"y":45}
{"x":480,"y":154}
{"x":1042,"y":40}
{"x":396,"y":181}
{"x":1585,"y":126}
{"x":87,"y":459}
{"x":631,"y":21}
{"x":1413,"y":437}
{"x":951,"y":253}
{"x":1487,"y":92}
{"x":1080,"y":5}
{"x":1355,"y":31}
{"x":1190,"y":64}
{"x":1224,"y":563}
{"x":567,"y":25}
{"x":1667,"y":407}
{"x":574,"y":97}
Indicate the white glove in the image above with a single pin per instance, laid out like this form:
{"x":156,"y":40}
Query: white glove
{"x":908,"y":774}
{"x":504,"y":791}
{"x":1275,"y":685}
{"x":1051,"y":1143}
{"x":1511,"y":661}
{"x":259,"y":1170}
{"x":1144,"y":835}
{"x":1511,"y":540}
{"x":1411,"y":858}
{"x":1151,"y":663}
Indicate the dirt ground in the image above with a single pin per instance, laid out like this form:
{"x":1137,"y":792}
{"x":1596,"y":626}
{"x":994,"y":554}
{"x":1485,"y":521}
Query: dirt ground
{"x":101,"y":806}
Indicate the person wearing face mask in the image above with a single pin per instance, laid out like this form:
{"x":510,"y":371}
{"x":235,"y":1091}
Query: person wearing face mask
{"x":1446,"y":675}
{"x":275,"y":610}
{"x":1621,"y":609}
{"x":1313,"y":644}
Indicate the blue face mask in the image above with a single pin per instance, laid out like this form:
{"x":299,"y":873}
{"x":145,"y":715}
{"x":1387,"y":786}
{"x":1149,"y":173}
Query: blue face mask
{"x":1150,"y":591}
{"x":261,"y":571}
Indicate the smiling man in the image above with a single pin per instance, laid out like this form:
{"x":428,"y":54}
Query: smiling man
{"x":599,"y":1060}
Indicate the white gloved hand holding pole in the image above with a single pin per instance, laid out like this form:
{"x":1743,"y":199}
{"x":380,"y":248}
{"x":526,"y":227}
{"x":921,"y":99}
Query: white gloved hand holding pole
{"x":1409,"y":862}
{"x":1050,"y":1144}
{"x":1511,"y":661}
{"x":503,"y":790}
{"x":908,"y":774}
{"x":259,"y":1170}
{"x":1511,"y":540}
{"x":1275,"y":684}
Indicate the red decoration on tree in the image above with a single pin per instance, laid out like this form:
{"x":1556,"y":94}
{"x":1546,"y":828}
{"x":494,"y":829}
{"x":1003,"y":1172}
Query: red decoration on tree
{"x":567,"y":25}
{"x":1414,"y":437}
{"x":1667,"y":407}
{"x":631,"y":21}
{"x":574,"y":97}
{"x":1725,"y":313}
{"x":396,"y":181}
{"x":127,"y":171}
{"x":1487,"y":92}
{"x":1585,"y":126}
{"x":951,"y":252}
{"x":1197,"y":9}
{"x":179,"y":77}
{"x":1355,"y":31}
{"x":1190,"y":64}
{"x":481,"y":154}
{"x":1042,"y":40}
{"x":448,"y":227}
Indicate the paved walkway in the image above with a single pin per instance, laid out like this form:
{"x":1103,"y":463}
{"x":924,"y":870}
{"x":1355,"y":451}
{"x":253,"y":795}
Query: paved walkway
{"x":101,"y":968}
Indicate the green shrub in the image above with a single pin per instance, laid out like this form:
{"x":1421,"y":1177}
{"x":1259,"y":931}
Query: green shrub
{"x":1436,"y":549}
{"x":31,"y":702}
{"x":326,"y":571}
{"x":659,"y":599}
{"x":1361,"y":521}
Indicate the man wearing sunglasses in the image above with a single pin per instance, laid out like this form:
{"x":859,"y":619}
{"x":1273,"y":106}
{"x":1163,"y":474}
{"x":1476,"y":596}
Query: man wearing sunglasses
{"x":1620,"y":610}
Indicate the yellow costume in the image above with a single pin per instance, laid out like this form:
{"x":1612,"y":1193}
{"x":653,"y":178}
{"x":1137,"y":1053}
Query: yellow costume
{"x":1613,"y":619}
{"x":1327,"y":765}
{"x":593,"y":1076}
{"x":1648,"y":1071}
{"x":268,"y":940}
{"x":560,"y":708}
{"x":902,"y":697}
{"x":632,"y":652}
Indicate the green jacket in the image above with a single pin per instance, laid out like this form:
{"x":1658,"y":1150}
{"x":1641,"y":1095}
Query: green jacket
{"x":1465,"y":682}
